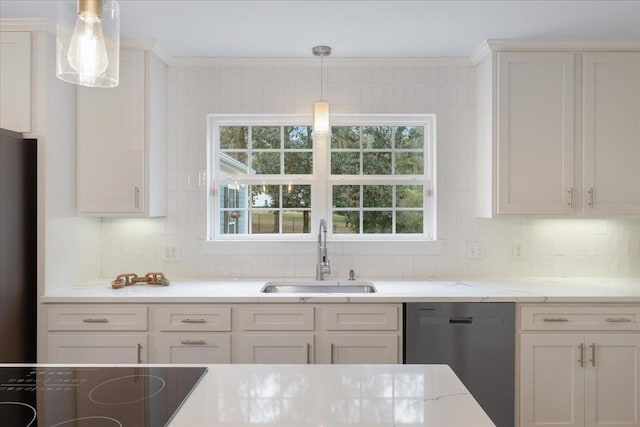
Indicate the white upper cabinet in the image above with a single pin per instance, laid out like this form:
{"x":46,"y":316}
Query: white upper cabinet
{"x":611,"y":133}
{"x":15,"y":80}
{"x":535,"y":145}
{"x":122,"y":141}
{"x":531,"y":106}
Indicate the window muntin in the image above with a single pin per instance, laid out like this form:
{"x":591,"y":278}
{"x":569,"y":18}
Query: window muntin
{"x":265,"y":150}
{"x":377,"y":150}
{"x":378,"y":209}
{"x":374,"y":179}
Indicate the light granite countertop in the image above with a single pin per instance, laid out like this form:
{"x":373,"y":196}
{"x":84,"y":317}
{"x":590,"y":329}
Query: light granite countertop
{"x":331,"y":395}
{"x":531,"y":290}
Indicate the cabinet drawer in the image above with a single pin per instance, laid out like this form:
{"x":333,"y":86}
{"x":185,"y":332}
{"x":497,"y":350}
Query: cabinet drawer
{"x":276,"y":318}
{"x":580,"y":318}
{"x":191,"y":348}
{"x":97,"y":348}
{"x":370,"y":318}
{"x":97,"y":318}
{"x":211,"y":319}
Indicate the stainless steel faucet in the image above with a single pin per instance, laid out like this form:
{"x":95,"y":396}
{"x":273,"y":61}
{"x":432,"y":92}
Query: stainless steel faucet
{"x":323,"y":266}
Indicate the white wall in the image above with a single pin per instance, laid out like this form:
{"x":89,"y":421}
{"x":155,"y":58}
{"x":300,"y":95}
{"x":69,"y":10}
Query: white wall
{"x":72,"y":243}
{"x":552,"y":247}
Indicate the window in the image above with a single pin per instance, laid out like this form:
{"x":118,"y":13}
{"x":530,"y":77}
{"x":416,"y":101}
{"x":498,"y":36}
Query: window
{"x":371,"y":177}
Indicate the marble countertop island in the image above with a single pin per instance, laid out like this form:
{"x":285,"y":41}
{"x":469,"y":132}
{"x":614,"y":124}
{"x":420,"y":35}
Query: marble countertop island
{"x":530,"y":290}
{"x":330,"y":395}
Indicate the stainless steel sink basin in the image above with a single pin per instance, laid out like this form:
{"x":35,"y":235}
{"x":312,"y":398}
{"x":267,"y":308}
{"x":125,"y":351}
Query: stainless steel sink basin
{"x":319,"y":287}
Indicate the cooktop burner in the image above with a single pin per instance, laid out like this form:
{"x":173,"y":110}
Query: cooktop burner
{"x":93,"y":396}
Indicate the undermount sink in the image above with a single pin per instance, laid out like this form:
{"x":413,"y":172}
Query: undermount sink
{"x":319,"y":287}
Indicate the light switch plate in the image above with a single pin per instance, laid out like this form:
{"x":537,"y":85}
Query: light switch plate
{"x":516,"y":252}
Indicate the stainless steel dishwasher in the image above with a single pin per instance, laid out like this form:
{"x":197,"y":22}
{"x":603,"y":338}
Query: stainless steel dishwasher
{"x":477,"y":340}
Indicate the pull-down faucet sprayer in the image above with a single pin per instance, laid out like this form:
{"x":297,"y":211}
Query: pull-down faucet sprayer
{"x":323,"y":266}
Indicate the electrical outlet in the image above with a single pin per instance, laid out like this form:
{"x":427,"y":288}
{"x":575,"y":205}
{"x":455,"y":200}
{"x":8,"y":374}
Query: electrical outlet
{"x":171,"y":253}
{"x":475,"y":250}
{"x":516,"y":252}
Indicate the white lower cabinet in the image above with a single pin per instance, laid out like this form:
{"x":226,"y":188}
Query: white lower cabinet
{"x":273,"y":348}
{"x":190,"y":348}
{"x":339,"y":334}
{"x":97,"y":333}
{"x":361,"y":349}
{"x":212,"y":333}
{"x":97,"y":348}
{"x":612,"y":380}
{"x":579,"y":378}
{"x":190,"y":334}
{"x":551,"y":380}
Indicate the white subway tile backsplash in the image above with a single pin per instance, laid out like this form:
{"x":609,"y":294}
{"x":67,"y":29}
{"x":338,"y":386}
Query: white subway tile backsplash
{"x":551,"y":247}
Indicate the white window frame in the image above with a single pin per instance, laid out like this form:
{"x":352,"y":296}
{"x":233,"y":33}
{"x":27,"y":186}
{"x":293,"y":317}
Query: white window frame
{"x":321,"y":181}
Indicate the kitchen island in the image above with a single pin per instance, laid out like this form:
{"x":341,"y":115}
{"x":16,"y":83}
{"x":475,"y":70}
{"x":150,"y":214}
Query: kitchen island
{"x":331,"y":395}
{"x":236,"y":395}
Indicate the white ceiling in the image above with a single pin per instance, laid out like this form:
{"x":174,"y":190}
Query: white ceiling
{"x":360,"y":28}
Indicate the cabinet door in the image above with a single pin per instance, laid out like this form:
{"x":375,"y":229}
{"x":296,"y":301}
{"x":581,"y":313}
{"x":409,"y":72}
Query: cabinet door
{"x":15,"y":81}
{"x":190,"y":348}
{"x":96,"y":348}
{"x":361,"y":349}
{"x":551,"y":380}
{"x":111,"y":142}
{"x":535,"y":148}
{"x":287,"y":349}
{"x":612,"y":380}
{"x":611,"y":133}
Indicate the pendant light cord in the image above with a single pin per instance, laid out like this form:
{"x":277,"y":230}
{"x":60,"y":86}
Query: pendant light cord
{"x":321,"y":51}
{"x":322,"y":78}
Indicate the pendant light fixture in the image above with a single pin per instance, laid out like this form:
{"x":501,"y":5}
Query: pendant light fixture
{"x":88,"y":42}
{"x":321,"y":108}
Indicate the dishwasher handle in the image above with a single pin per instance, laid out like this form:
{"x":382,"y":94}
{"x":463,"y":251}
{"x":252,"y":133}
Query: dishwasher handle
{"x":465,"y":320}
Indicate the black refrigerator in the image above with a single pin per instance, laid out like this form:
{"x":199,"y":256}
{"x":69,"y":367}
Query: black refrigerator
{"x":18,"y":248}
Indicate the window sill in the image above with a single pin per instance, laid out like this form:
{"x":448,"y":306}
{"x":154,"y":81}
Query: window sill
{"x":252,"y":247}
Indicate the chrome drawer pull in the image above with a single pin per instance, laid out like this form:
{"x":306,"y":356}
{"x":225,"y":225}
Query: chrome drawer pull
{"x":193,"y":342}
{"x":581,"y":360}
{"x":618,"y":320}
{"x":193,"y":321}
{"x":555,"y":319}
{"x":93,"y":320}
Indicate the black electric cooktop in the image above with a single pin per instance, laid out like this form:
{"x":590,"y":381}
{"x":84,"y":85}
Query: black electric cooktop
{"x":93,"y":396}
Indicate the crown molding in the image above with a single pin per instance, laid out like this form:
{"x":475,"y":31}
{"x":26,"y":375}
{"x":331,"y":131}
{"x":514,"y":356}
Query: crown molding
{"x":480,"y":53}
{"x":26,"y":24}
{"x":146,"y":44}
{"x":313,"y":62}
{"x":550,"y":45}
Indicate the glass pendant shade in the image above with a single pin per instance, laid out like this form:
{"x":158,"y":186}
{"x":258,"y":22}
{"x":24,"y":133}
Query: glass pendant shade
{"x":321,"y":117}
{"x":88,"y":42}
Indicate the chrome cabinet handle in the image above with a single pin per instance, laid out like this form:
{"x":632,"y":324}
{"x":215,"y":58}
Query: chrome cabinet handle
{"x":193,"y":342}
{"x":593,"y":354}
{"x":556,"y":319}
{"x":94,"y":320}
{"x":570,"y":193}
{"x":332,"y":349}
{"x":308,"y":353}
{"x":137,"y":196}
{"x":590,"y":193}
{"x":193,"y":321}
{"x":139,"y":353}
{"x":618,"y":320}
{"x":581,"y":360}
